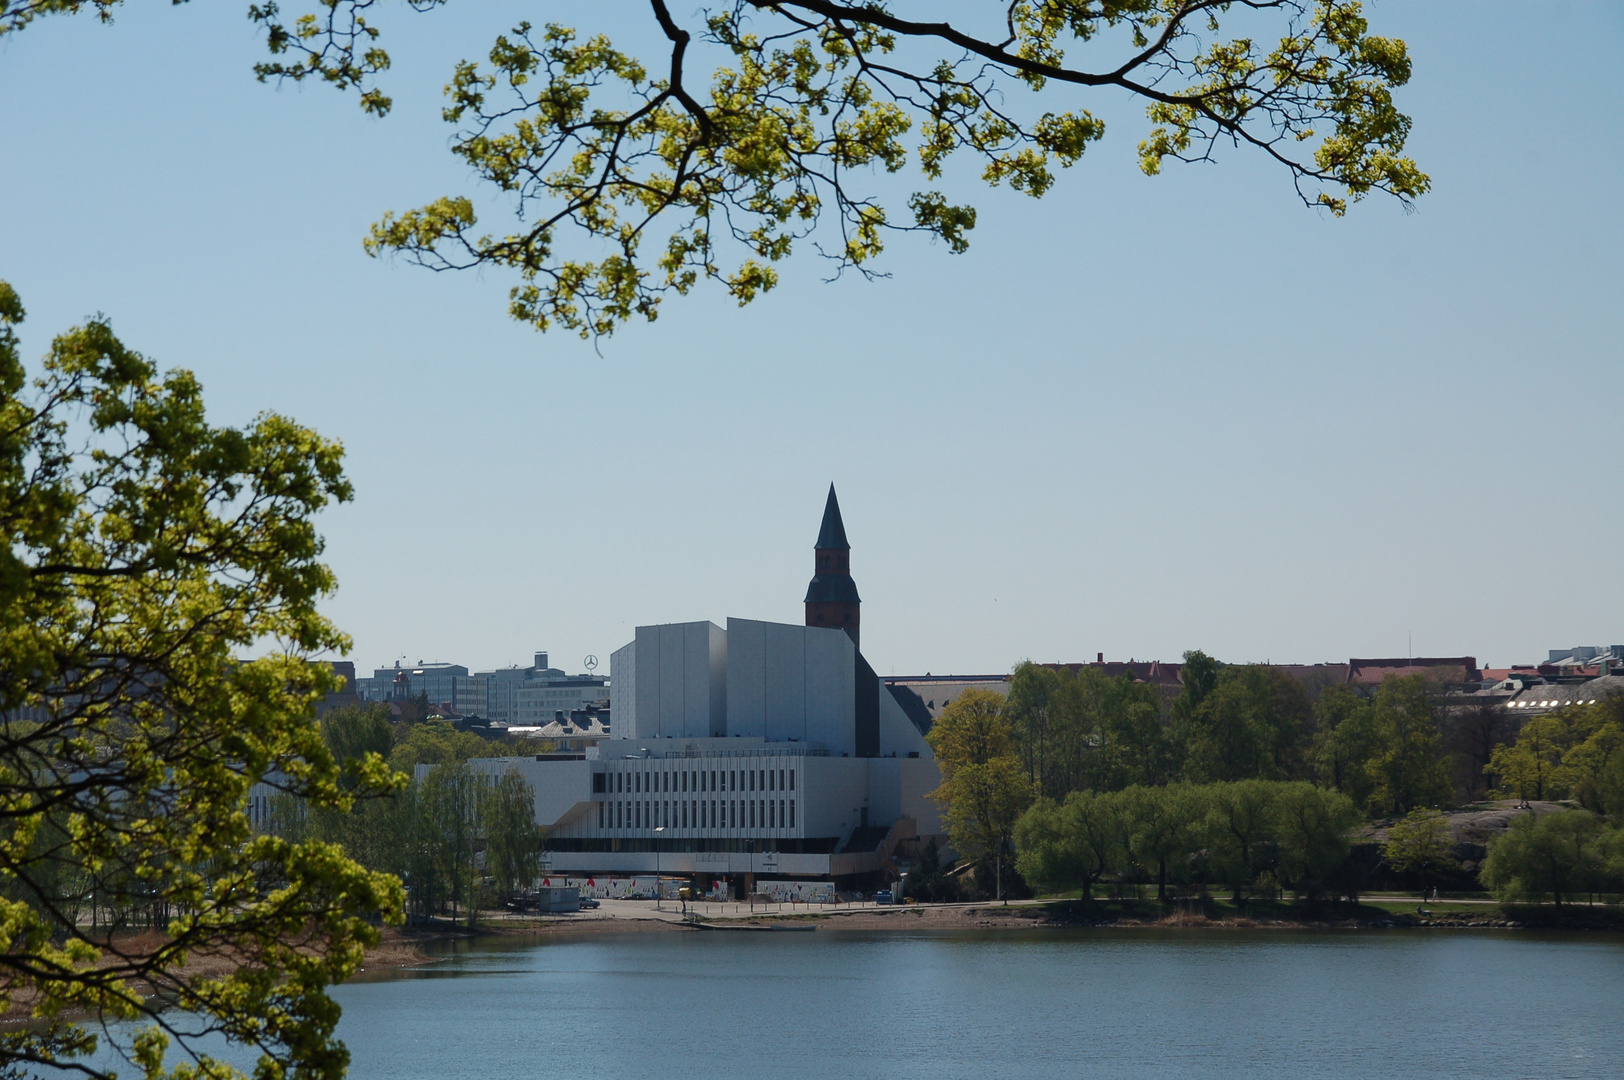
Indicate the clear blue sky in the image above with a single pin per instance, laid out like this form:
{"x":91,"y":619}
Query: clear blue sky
{"x":1140,"y":416}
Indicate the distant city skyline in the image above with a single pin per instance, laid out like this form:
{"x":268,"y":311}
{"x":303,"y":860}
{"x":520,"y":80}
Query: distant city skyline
{"x":1140,"y":416}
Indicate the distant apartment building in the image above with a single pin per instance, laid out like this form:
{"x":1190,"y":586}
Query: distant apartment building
{"x":522,"y":697}
{"x":436,"y":681}
{"x":1588,"y":660}
{"x":514,"y":696}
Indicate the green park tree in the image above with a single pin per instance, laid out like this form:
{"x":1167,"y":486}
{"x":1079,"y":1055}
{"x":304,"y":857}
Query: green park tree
{"x":1084,"y":730}
{"x":1253,"y":723}
{"x":507,"y":817}
{"x":1560,"y":856}
{"x":632,"y":180}
{"x":1345,"y":742}
{"x":1164,"y":826}
{"x":1527,"y":768}
{"x":1421,"y":845}
{"x":1291,"y":830}
{"x":437,"y":742}
{"x":1312,"y":829}
{"x":1407,"y":767}
{"x":146,"y":551}
{"x":1575,"y":752}
{"x":354,"y":732}
{"x":1072,"y":845}
{"x":984,"y":789}
{"x":1243,"y":821}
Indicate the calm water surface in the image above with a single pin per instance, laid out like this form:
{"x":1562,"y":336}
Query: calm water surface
{"x":1117,"y":1004}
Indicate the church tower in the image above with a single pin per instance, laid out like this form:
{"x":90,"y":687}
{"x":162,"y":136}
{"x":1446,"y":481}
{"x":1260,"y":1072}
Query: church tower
{"x":831,"y":598}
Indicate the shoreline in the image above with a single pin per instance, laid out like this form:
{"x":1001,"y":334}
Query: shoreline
{"x":407,"y":948}
{"x":403,"y":947}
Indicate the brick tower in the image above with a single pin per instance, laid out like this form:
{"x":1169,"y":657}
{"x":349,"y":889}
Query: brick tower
{"x":831,"y":598}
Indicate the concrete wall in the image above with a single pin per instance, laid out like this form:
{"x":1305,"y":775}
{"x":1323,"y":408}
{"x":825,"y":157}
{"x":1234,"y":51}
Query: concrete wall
{"x":916,"y":777}
{"x":884,"y":792}
{"x":562,"y":789}
{"x":670,"y":682}
{"x":790,"y":683}
{"x":898,"y":735}
{"x":623,"y":688}
{"x":841,"y":787}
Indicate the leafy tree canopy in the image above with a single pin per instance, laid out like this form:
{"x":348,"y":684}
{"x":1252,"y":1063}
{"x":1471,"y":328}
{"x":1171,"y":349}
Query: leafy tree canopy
{"x":636,"y":179}
{"x":1422,"y":844}
{"x":437,"y":742}
{"x":984,"y":790}
{"x":1561,"y":856}
{"x":1577,"y":751}
{"x":145,"y":550}
{"x":1407,"y":768}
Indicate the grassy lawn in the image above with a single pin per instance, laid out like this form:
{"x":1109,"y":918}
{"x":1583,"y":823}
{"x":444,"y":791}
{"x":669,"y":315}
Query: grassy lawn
{"x":1441,"y":909}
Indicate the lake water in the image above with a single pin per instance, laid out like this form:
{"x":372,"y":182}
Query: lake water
{"x":1102,"y":1003}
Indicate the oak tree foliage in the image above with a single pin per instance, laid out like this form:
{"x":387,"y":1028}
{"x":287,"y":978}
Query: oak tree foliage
{"x":763,"y":124}
{"x":146,"y":552}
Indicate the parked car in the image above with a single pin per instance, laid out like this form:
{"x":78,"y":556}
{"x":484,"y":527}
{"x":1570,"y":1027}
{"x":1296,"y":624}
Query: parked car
{"x":588,"y":902}
{"x":883,"y":896}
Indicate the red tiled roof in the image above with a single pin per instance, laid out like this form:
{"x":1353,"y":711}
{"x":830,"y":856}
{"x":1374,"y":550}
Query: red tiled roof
{"x":1450,"y":668}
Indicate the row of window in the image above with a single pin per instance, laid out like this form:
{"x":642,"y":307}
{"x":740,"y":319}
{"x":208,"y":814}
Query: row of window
{"x":697,"y":814}
{"x":684,"y":780}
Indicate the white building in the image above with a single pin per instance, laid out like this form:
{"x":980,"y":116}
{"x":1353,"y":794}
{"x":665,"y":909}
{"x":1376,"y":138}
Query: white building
{"x":764,"y":748}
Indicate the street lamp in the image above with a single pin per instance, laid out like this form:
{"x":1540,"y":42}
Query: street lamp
{"x":658,"y":829}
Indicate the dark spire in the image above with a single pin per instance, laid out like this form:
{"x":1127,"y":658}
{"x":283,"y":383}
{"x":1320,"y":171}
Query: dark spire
{"x":833,"y":533}
{"x":831,"y":598}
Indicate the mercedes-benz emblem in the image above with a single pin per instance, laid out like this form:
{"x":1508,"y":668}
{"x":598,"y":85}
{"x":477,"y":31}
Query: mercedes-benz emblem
{"x":591,"y":662}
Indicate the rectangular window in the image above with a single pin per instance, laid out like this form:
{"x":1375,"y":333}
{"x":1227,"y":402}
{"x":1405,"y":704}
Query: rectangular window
{"x":792,"y":813}
{"x":780,"y":779}
{"x":600,"y":815}
{"x":620,"y":815}
{"x":665,"y":781}
{"x":752,"y":813}
{"x":772,"y":819}
{"x":599,"y":785}
{"x":684,"y":781}
{"x":712,"y":813}
{"x":732,"y":780}
{"x":792,"y":779}
{"x":781,"y":813}
{"x":665,"y":813}
{"x":638,"y":812}
{"x":752,"y":779}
